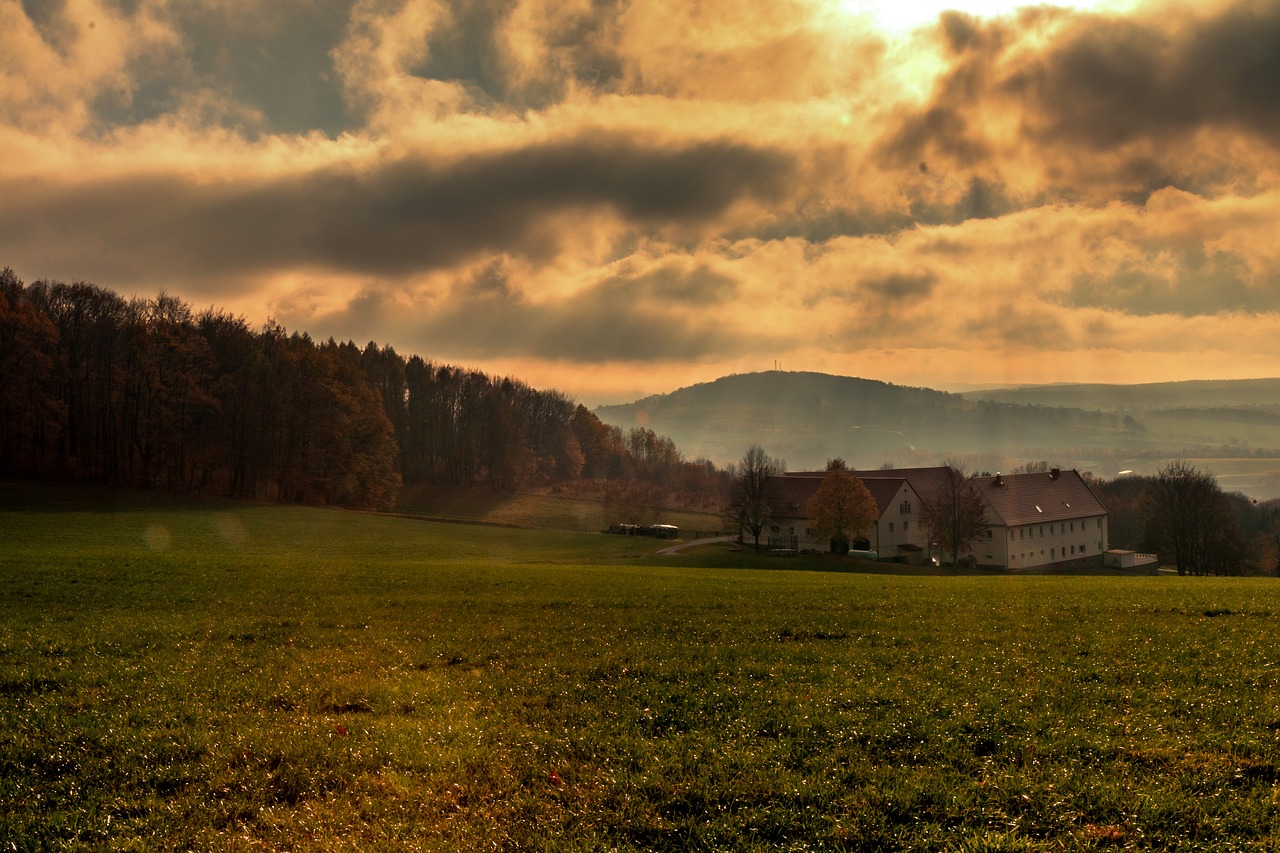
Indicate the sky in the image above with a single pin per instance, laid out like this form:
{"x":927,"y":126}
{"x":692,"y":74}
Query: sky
{"x":614,"y":198}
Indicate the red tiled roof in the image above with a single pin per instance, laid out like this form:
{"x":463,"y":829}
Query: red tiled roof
{"x":793,"y":490}
{"x":1020,"y":499}
{"x":925,"y":481}
{"x":883,"y":490}
{"x":1030,"y":498}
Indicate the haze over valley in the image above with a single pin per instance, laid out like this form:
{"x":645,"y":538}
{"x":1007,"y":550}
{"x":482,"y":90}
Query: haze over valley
{"x":1231,"y":428}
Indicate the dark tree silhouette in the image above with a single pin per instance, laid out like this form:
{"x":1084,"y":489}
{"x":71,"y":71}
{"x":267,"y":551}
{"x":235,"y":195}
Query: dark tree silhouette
{"x":752,"y":500}
{"x":1189,"y":522}
{"x":955,"y":514}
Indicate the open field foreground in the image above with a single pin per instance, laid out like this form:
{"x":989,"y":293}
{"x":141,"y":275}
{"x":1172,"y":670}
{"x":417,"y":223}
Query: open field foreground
{"x":238,"y":677}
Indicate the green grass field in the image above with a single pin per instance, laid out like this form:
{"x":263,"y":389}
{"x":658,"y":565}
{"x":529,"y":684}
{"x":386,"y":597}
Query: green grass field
{"x":210,"y":675}
{"x":555,"y":512}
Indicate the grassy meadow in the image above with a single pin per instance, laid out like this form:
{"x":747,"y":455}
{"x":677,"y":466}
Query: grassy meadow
{"x":220,"y":676}
{"x":557,"y":512}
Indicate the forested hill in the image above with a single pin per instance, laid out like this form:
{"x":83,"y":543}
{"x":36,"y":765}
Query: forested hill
{"x":807,"y":418}
{"x":1191,"y":394}
{"x":148,"y":392}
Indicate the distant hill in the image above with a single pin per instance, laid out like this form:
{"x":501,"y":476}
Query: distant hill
{"x":1229,"y":428}
{"x":1197,"y":394}
{"x":808,"y":418}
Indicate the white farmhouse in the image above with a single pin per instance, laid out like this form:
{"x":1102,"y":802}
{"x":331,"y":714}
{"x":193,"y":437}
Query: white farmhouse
{"x":1041,"y":520}
{"x":1034,"y":521}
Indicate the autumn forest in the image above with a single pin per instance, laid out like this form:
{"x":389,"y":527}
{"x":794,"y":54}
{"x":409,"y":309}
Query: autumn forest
{"x":149,"y":392}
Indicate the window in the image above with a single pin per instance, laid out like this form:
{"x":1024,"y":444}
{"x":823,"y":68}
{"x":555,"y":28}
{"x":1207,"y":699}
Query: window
{"x":1042,"y":530}
{"x":988,"y":532}
{"x":891,"y":527}
{"x":1073,"y":549}
{"x":1022,"y":533}
{"x":1053,"y":553}
{"x":905,"y":524}
{"x":905,"y":508}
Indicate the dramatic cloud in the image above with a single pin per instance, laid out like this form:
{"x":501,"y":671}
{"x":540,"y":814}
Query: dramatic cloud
{"x":1071,"y":106}
{"x":616,"y":198}
{"x":651,"y":318}
{"x":406,"y":215}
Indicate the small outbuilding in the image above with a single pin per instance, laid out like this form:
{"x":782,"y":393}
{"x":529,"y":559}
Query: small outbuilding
{"x":1120,"y":559}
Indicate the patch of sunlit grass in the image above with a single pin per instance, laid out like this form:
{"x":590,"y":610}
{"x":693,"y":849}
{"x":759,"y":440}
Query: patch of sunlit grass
{"x":332,"y":681}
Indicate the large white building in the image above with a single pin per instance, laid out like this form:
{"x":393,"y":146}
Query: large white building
{"x":1034,"y":521}
{"x":1040,"y":520}
{"x":897,"y":532}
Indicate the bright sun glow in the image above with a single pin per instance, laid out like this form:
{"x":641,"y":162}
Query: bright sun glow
{"x":900,"y":16}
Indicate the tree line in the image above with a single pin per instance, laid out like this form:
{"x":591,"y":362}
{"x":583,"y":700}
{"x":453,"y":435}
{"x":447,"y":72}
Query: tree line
{"x":1181,"y":514}
{"x":1190,"y":522}
{"x":149,"y":392}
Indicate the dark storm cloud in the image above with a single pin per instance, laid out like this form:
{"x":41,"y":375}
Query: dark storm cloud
{"x":938,"y":127}
{"x":274,"y":64}
{"x":1117,"y":80}
{"x":645,"y":318}
{"x":1200,"y":284}
{"x":900,"y":288}
{"x":949,"y":124}
{"x":882,"y":295}
{"x":1015,"y":327}
{"x":406,"y":216}
{"x":697,"y":288}
{"x":982,"y":199}
{"x":277,"y":61}
{"x":467,"y":51}
{"x":880,"y":307}
{"x":1100,"y":82}
{"x":57,"y":30}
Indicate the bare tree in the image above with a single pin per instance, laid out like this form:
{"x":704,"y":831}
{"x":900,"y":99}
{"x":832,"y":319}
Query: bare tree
{"x":955,"y":515}
{"x":1189,"y":522}
{"x":752,"y":500}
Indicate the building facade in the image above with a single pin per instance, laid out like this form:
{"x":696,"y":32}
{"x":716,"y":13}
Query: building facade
{"x":897,"y":531}
{"x":1034,"y":521}
{"x":1040,"y":520}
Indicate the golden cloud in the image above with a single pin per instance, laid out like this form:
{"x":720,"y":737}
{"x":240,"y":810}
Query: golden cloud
{"x":697,"y":187}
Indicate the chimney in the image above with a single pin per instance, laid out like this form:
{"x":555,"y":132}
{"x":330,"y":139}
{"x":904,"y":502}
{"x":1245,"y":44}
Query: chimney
{"x":999,"y":480}
{"x":1055,"y":473}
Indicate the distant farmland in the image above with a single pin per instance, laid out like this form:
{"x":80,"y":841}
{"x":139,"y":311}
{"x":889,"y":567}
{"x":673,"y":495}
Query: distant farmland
{"x":226,"y":676}
{"x":1231,"y":429}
